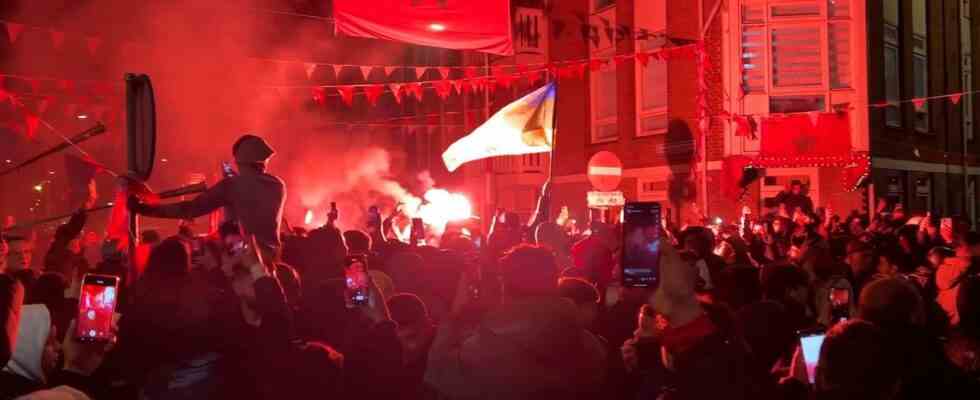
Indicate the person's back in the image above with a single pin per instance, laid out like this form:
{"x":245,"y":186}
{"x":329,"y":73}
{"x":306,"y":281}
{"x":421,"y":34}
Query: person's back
{"x":857,"y":362}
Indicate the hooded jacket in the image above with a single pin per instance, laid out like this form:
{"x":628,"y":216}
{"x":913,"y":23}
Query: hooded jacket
{"x":32,"y":336}
{"x":527,"y":348}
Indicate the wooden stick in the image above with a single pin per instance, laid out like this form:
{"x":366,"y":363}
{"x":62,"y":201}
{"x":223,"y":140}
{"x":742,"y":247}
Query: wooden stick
{"x":89,"y":133}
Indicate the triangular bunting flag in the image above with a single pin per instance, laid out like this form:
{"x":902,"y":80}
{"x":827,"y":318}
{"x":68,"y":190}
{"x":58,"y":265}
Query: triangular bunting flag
{"x":396,"y":91}
{"x":622,"y":59}
{"x":30,"y":123}
{"x":336,"y":70}
{"x":490,"y":88}
{"x":372,"y":92}
{"x":13,"y":31}
{"x":319,"y":95}
{"x":503,"y":78}
{"x":415,"y":89}
{"x":310,"y":69}
{"x":389,"y":70}
{"x":595,"y":64}
{"x":366,"y":71}
{"x":462,"y":86}
{"x":419,"y":73}
{"x":814,"y":117}
{"x":443,"y":88}
{"x":443,"y":72}
{"x":919,"y":103}
{"x":643,"y":58}
{"x":57,"y":38}
{"x":955,"y":98}
{"x":471,"y":72}
{"x":93,"y":43}
{"x":346,"y":94}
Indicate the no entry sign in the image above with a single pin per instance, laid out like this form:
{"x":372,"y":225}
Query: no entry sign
{"x":605,"y":171}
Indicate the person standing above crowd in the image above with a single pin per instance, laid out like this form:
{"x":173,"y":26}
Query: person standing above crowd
{"x":795,"y":198}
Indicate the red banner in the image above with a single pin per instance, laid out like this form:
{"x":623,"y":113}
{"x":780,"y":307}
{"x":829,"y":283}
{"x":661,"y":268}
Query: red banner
{"x":796,"y":138}
{"x":451,"y":24}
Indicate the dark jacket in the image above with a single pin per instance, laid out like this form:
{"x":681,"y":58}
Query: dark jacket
{"x":256,"y":198}
{"x":527,"y":348}
{"x":59,"y":258}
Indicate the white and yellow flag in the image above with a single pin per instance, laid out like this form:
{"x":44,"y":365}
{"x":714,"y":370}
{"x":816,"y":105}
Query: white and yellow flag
{"x":525,"y":126}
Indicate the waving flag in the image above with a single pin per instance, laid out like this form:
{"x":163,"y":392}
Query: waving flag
{"x":482,"y":25}
{"x":525,"y":126}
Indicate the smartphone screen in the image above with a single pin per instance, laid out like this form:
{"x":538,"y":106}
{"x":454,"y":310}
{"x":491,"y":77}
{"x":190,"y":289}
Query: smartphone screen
{"x":810,"y":344}
{"x":96,"y":304}
{"x":357,"y":280}
{"x":641,"y":244}
{"x":226,"y":169}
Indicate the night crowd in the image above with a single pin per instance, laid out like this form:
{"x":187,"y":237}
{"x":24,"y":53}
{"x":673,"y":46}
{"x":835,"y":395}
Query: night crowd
{"x":256,"y":310}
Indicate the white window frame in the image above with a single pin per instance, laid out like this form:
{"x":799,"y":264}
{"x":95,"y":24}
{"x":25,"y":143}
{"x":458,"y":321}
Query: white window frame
{"x":606,"y":50}
{"x":641,"y":112}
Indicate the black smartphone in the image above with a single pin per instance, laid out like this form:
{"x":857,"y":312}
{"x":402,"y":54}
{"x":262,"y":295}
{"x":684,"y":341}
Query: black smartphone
{"x":418,"y":232}
{"x":356,"y":276}
{"x":810,"y":344}
{"x":641,"y":244}
{"x":96,"y":305}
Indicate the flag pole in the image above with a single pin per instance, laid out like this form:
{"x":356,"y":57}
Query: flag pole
{"x":554,"y":138}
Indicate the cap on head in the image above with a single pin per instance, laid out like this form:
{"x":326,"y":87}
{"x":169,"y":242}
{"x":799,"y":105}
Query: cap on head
{"x":250,"y":149}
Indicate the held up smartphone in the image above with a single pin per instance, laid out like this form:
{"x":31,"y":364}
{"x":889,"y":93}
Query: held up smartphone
{"x":356,"y":277}
{"x":418,"y":231}
{"x":641,"y":244}
{"x":226,"y":169}
{"x":96,"y":304}
{"x":810,"y":344}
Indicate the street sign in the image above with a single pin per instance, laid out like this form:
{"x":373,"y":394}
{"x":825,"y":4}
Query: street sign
{"x":605,"y":171}
{"x":606,"y":199}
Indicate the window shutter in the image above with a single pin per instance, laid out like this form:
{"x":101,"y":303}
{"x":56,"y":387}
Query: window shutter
{"x":796,"y":56}
{"x":839,"y":46}
{"x":754,"y":59}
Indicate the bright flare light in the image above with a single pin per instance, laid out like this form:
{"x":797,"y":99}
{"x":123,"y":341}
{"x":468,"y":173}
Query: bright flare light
{"x":442,"y":207}
{"x":308,"y":219}
{"x":437,"y":27}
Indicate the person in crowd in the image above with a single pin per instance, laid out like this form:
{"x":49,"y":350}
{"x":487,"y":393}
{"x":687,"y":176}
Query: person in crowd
{"x":416,"y":331}
{"x":11,"y":301}
{"x":895,"y":306}
{"x":586,"y":299}
{"x":36,"y":354}
{"x":322,"y":255}
{"x":292,"y":284}
{"x":795,"y":198}
{"x":530,"y":346}
{"x":889,"y":262}
{"x":857,"y":362}
{"x":50,"y":290}
{"x":594,"y":256}
{"x":253,"y":196}
{"x":789,"y":286}
{"x":861,"y":264}
{"x":948,"y":278}
{"x":963,"y":347}
{"x":20,"y":253}
{"x":65,"y":254}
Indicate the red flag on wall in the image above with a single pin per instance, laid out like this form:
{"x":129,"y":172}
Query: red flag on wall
{"x":795,"y":139}
{"x":450,"y":24}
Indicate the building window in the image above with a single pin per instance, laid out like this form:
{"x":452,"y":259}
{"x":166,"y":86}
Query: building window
{"x":796,"y":104}
{"x":839,"y":49}
{"x":754,"y":59}
{"x":794,"y":8}
{"x":653,"y":92}
{"x":920,"y":62}
{"x":796,"y":56}
{"x":604,"y":102}
{"x":839,"y":8}
{"x":893,"y":71}
{"x":966,"y":46}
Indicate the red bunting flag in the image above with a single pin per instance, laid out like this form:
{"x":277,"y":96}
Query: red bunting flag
{"x":657,"y":55}
{"x":443,"y":88}
{"x":93,"y":43}
{"x":13,"y":31}
{"x":336,"y":70}
{"x":420,"y":72}
{"x":882,"y":104}
{"x":57,"y":38}
{"x":373,"y":92}
{"x":310,"y":68}
{"x":487,"y":85}
{"x":31,"y":122}
{"x":503,"y":78}
{"x":595,"y":64}
{"x":471,"y":72}
{"x":319,"y":95}
{"x":919,"y":103}
{"x":743,"y":126}
{"x":955,"y":98}
{"x":622,"y":59}
{"x":643,"y":58}
{"x":396,"y":91}
{"x":366,"y":71}
{"x":415,"y":89}
{"x":346,"y":94}
{"x":443,"y":72}
{"x":389,"y":70}
{"x":462,"y":86}
{"x":814,"y":117}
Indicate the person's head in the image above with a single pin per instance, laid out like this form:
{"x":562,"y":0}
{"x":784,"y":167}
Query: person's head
{"x":892,"y":304}
{"x":796,"y":187}
{"x":856,"y":226}
{"x":170,"y":259}
{"x":415,"y":329}
{"x":938,"y":255}
{"x":529,"y":270}
{"x":780,"y":226}
{"x":785,"y":283}
{"x":292,"y":285}
{"x":860,"y":258}
{"x":889,"y":261}
{"x":698,"y":240}
{"x":584,"y":295}
{"x":726,"y":251}
{"x":252,"y":154}
{"x":37,"y":349}
{"x":856,"y":362}
{"x":739,"y":286}
{"x":20,"y":253}
{"x":358,"y":242}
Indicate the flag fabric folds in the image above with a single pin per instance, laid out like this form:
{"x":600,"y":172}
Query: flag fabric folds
{"x":482,"y":25}
{"x":525,"y":126}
